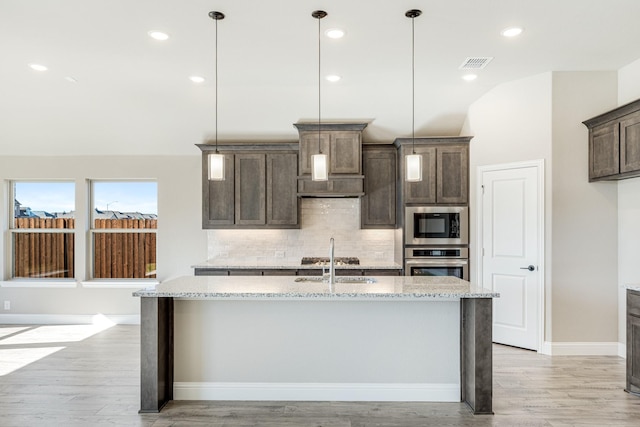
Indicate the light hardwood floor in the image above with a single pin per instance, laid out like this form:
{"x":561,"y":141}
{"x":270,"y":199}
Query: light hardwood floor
{"x":84,"y":376}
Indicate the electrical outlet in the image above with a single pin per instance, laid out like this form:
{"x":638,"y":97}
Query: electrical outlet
{"x":280,"y":254}
{"x":7,"y":305}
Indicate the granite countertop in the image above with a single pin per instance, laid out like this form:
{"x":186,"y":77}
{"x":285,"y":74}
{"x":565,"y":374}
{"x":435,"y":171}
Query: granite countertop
{"x":274,"y":264}
{"x":287,"y":288}
{"x":633,"y":287}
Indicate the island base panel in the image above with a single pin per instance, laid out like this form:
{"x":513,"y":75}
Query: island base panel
{"x":476,"y":354}
{"x":156,"y":353}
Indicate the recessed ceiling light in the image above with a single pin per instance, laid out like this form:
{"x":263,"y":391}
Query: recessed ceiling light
{"x":512,"y":31}
{"x":334,"y":33}
{"x":197,"y":79}
{"x":158,"y":35}
{"x":38,"y":67}
{"x":333,"y":78}
{"x":469,"y":77}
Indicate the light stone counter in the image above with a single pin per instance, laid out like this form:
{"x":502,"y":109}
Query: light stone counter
{"x":286,"y":287}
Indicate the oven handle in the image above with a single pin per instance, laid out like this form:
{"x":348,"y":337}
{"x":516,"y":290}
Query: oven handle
{"x":438,"y":262}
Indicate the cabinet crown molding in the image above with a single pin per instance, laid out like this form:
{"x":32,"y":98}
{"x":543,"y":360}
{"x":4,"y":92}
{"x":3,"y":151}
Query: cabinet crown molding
{"x":310,"y":126}
{"x":614,"y":114}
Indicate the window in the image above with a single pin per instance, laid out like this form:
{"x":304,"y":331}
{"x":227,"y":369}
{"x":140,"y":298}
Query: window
{"x":124,"y":219}
{"x":42,"y":229}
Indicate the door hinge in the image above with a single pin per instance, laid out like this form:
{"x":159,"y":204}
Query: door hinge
{"x":482,"y":186}
{"x":482,"y":251}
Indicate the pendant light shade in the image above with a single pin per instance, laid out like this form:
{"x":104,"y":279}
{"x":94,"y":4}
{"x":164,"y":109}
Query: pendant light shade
{"x":413,"y":167}
{"x":413,"y":161}
{"x":216,"y":167}
{"x":319,"y":167}
{"x":320,"y":161}
{"x":216,"y":161}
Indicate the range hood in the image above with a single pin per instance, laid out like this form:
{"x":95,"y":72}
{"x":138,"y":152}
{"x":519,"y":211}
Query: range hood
{"x":342,"y":142}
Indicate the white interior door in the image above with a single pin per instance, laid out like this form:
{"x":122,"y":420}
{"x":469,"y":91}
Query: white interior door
{"x":510,"y":239}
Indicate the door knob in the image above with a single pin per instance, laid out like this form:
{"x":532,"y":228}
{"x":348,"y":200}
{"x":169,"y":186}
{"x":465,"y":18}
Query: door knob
{"x":530,"y":268}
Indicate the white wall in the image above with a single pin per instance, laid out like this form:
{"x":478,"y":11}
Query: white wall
{"x":584,"y":235}
{"x":539,"y":117}
{"x":628,"y":205}
{"x":180,"y":239}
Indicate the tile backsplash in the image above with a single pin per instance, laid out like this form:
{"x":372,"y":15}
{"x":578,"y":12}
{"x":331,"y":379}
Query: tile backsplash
{"x":321,"y":219}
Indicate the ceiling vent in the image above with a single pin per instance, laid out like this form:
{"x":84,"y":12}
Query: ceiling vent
{"x":475,"y":62}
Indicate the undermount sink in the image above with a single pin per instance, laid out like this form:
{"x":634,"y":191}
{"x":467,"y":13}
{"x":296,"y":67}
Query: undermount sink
{"x":339,"y":279}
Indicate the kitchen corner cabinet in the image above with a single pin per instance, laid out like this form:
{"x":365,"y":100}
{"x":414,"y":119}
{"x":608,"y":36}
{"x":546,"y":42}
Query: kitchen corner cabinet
{"x":614,"y":143}
{"x":633,"y":342}
{"x":378,"y":205}
{"x":445,"y":170}
{"x":259,"y":190}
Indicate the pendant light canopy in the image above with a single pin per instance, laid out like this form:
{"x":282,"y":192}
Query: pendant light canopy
{"x":413,"y":161}
{"x":216,"y":160}
{"x":320,"y":161}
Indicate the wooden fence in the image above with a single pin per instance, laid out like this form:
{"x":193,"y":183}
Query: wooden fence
{"x":128,"y":255}
{"x":122,"y":255}
{"x":43,"y":254}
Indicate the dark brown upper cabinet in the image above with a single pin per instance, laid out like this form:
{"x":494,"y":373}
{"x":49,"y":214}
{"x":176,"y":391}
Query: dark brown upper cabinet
{"x":614,"y":143}
{"x":378,"y":205}
{"x":342,"y":143}
{"x":259,"y":190}
{"x":445,"y":171}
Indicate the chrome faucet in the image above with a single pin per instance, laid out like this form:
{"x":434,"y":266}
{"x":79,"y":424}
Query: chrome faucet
{"x":332,"y":266}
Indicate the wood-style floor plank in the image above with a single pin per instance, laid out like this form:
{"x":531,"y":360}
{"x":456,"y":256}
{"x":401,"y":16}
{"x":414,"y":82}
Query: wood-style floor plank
{"x":90,"y":377}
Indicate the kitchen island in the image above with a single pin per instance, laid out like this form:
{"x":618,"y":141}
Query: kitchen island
{"x":286,"y":338}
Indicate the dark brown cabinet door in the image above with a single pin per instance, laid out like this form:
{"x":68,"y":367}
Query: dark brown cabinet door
{"x":378,"y":205}
{"x":282,"y":201}
{"x":346,"y":155}
{"x":309,"y":145}
{"x":630,"y":143}
{"x":218,"y":196}
{"x":633,"y":341}
{"x":250,"y":191}
{"x":422,"y":192}
{"x":452,"y":176}
{"x":604,"y":158}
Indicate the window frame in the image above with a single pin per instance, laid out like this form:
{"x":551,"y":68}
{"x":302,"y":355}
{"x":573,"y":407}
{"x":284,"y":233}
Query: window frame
{"x":92,"y":231}
{"x":13,"y":230}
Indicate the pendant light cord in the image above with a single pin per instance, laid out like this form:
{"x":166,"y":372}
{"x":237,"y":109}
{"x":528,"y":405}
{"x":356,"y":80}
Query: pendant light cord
{"x":319,"y":91}
{"x":216,"y":85}
{"x":413,"y":86}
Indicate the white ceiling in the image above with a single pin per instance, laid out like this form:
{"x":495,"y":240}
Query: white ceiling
{"x":133,"y":95}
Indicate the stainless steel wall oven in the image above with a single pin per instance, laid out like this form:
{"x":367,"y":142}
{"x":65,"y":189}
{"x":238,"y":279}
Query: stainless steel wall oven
{"x":432,"y":261}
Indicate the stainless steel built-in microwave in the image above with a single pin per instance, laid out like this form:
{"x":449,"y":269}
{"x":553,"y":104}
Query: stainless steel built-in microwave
{"x":436,"y":225}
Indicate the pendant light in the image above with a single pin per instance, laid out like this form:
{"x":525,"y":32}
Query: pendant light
{"x":216,"y":160}
{"x":413,"y":161}
{"x":320,"y":161}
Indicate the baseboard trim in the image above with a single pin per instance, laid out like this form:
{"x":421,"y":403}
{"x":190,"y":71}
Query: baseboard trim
{"x":69,"y":319}
{"x":340,"y":392}
{"x":581,"y":348}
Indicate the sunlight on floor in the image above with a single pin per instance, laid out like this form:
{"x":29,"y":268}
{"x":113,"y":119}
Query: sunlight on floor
{"x":12,"y":359}
{"x":16,"y":343}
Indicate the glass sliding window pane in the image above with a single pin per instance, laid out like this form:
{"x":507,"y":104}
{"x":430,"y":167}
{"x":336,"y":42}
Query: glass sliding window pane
{"x":46,"y":209}
{"x":124,"y":220}
{"x":124,"y":255}
{"x":43,"y":255}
